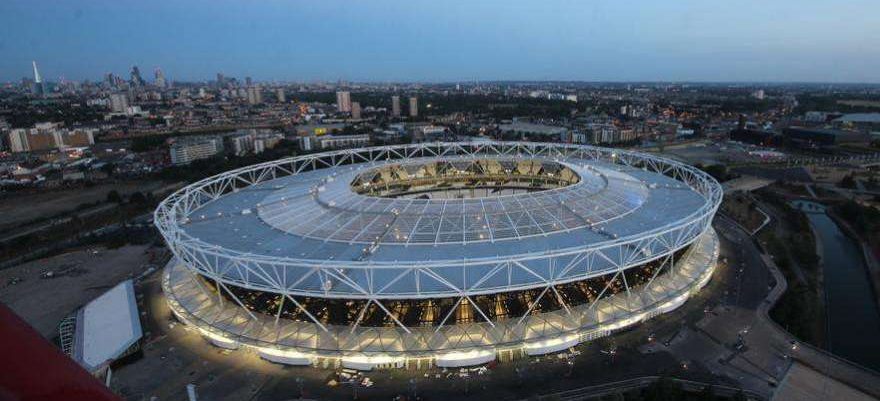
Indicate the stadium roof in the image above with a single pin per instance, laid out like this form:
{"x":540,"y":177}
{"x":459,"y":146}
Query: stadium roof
{"x":107,"y":327}
{"x":281,"y":218}
{"x":297,"y":226}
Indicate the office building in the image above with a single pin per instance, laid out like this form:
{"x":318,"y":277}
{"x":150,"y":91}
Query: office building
{"x":136,"y":79}
{"x":38,"y":88}
{"x":355,"y":110}
{"x":160,"y":78}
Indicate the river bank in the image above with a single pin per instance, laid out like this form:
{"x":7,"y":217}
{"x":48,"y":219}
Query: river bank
{"x":852,"y":310}
{"x":867,"y":254}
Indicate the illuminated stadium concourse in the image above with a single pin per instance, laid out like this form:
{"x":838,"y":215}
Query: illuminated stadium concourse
{"x":444,"y":254}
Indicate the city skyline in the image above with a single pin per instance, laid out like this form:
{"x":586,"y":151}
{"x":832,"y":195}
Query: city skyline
{"x":395,"y":42}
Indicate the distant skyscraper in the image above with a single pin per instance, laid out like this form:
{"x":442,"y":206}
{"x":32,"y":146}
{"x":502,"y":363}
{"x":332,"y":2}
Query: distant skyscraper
{"x":395,"y":106}
{"x":356,"y":110}
{"x":343,"y":102}
{"x":37,"y":77}
{"x":160,"y":78}
{"x":248,"y":81}
{"x":136,"y":79}
{"x":279,"y":94}
{"x":413,"y":106}
{"x":254,"y":96}
{"x":39,"y":87}
{"x":109,"y":80}
{"x":221,"y":80}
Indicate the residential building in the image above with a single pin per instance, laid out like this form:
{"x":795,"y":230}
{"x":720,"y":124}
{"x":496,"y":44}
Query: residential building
{"x":47,"y":136}
{"x":314,"y":142}
{"x":186,"y":150}
{"x":343,"y":102}
{"x":413,"y":106}
{"x":254,"y":95}
{"x":118,"y":102}
{"x":395,"y":106}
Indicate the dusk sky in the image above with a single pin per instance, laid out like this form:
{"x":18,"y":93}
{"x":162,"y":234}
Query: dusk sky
{"x":379,"y":40}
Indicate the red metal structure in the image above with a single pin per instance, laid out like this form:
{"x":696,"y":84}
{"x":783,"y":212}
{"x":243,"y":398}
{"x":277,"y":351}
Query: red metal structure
{"x":31,"y":368}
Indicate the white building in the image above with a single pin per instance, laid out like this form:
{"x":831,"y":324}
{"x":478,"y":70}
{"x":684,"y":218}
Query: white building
{"x":430,"y":133}
{"x":253,"y":141}
{"x":188,"y":150}
{"x":314,"y":142}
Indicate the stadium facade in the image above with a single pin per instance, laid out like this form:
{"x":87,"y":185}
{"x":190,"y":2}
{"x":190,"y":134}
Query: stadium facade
{"x":445,"y":254}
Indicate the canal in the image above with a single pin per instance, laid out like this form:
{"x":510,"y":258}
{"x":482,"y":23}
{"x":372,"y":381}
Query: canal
{"x":853,"y":315}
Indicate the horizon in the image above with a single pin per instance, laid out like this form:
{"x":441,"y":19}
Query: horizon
{"x":345,"y":82}
{"x":393,"y":41}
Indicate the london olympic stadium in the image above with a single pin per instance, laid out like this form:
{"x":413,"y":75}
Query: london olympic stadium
{"x":436,"y":254}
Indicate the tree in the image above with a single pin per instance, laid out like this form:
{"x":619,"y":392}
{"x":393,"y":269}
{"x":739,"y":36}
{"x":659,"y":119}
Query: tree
{"x":114,"y":197}
{"x":717,"y":171}
{"x":662,"y":390}
{"x":848,"y":181}
{"x":137,"y":198}
{"x":108,"y":168}
{"x":708,"y":394}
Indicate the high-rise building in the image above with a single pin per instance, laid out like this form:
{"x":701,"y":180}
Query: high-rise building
{"x":413,"y":106}
{"x":221,"y":80}
{"x":39,"y":88}
{"x":356,"y":110}
{"x":160,"y":78}
{"x":254,"y":95}
{"x":279,"y":94}
{"x":395,"y":106}
{"x":248,"y":81}
{"x":118,"y":102}
{"x":343,"y":102}
{"x":136,"y":79}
